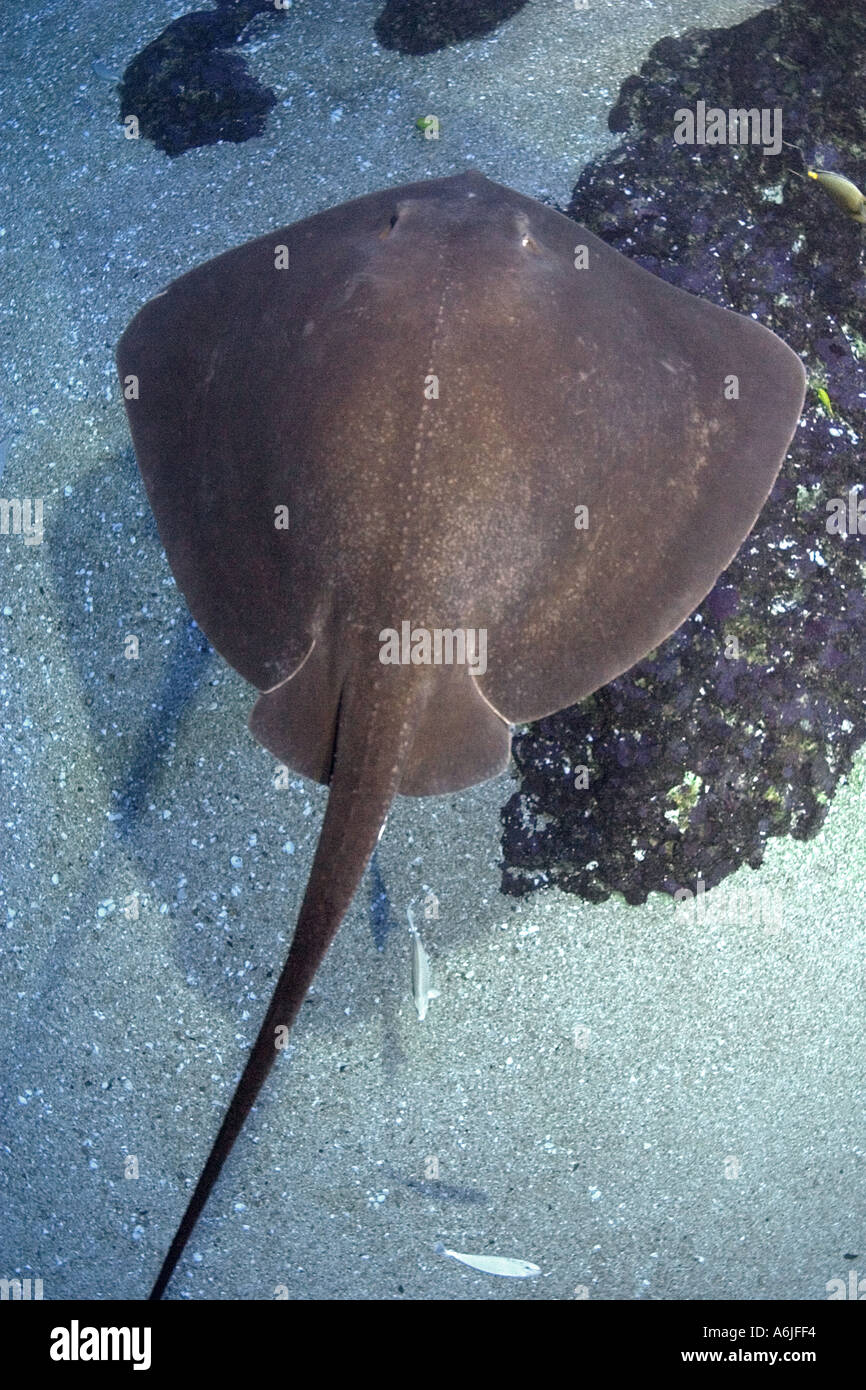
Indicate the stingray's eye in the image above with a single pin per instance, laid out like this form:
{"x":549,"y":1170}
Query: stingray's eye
{"x":524,"y":236}
{"x":395,"y":218}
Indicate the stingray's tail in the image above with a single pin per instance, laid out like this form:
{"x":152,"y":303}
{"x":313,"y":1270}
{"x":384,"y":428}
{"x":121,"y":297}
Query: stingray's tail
{"x":374,"y":732}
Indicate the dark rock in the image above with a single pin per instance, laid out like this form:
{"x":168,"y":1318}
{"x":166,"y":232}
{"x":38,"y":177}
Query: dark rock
{"x":186,"y":89}
{"x":423,"y":26}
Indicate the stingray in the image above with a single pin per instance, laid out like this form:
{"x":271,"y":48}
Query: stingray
{"x":426,"y":465}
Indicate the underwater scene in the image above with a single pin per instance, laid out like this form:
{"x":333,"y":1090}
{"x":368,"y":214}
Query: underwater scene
{"x":432,"y":652}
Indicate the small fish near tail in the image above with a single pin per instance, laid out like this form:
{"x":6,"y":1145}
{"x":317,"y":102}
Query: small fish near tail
{"x":374,"y":733}
{"x":422,"y":990}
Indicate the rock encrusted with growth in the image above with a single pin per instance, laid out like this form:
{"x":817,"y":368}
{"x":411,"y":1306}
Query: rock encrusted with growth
{"x":188,"y":88}
{"x":740,"y":725}
{"x":423,"y":26}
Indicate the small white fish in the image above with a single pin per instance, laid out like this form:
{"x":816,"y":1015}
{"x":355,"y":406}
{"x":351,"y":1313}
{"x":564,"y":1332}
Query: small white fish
{"x":104,"y":71}
{"x":493,"y":1264}
{"x":421,"y":990}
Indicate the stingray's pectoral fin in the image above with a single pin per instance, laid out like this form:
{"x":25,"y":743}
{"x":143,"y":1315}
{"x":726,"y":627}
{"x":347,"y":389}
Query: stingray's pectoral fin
{"x":673,"y":491}
{"x":374,"y":731}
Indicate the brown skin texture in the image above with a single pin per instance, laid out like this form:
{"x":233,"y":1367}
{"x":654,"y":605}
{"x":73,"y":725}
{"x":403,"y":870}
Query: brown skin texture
{"x":431,"y":387}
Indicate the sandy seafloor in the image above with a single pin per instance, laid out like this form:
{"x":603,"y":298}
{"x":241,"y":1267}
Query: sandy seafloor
{"x":704,"y":1139}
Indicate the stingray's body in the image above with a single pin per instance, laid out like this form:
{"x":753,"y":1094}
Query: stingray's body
{"x":431,"y":388}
